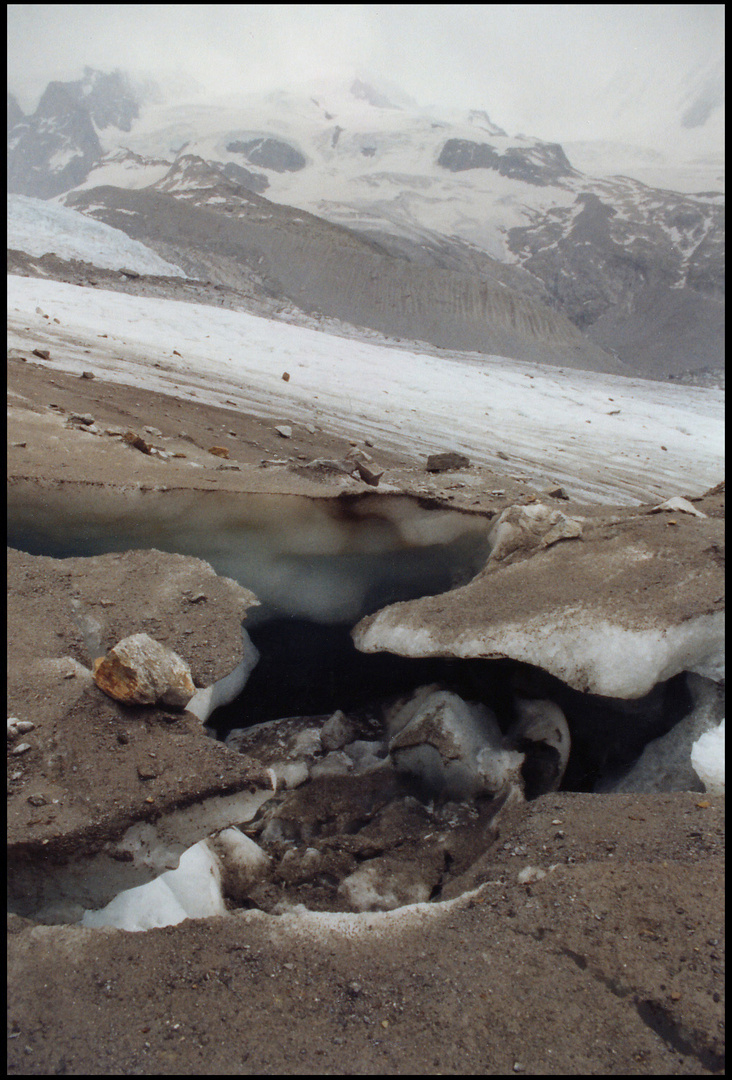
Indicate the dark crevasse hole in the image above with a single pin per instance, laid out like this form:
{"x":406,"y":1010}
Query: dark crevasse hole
{"x":309,"y":665}
{"x":311,"y":669}
{"x":308,"y":669}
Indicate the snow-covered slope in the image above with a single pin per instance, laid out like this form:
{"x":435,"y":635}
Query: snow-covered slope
{"x":600,"y":158}
{"x":38,"y":227}
{"x":331,"y":150}
{"x":607,"y":439}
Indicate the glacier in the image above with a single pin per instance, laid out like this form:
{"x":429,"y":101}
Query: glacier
{"x":40,"y":228}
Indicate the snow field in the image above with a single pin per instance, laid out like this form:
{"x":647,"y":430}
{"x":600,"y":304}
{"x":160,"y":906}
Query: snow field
{"x":608,"y":439}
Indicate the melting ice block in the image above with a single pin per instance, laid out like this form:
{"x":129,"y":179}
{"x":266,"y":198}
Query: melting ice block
{"x":707,"y":760}
{"x":191,"y":891}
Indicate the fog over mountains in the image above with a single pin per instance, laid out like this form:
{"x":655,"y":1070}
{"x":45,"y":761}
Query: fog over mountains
{"x":349,"y":200}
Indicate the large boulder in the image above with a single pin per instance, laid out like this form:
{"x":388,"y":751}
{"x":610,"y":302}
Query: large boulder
{"x":141,"y":671}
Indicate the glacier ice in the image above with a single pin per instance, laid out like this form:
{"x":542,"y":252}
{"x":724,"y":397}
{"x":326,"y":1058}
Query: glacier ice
{"x":455,"y":749}
{"x":707,"y":760}
{"x":41,"y":228}
{"x":585,"y":651}
{"x":204,"y":701}
{"x":191,"y":891}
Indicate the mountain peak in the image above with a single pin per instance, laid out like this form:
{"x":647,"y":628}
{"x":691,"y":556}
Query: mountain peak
{"x":15,"y":113}
{"x":363,"y":91}
{"x":480,"y":118}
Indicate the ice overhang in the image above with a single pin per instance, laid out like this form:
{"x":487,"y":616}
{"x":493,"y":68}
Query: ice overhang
{"x":613,"y":612}
{"x":587,"y":653}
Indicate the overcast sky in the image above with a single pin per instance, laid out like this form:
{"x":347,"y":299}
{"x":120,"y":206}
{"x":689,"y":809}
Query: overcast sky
{"x":628,"y":72}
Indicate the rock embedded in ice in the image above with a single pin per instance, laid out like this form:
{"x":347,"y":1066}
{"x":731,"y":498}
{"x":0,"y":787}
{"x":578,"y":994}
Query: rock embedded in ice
{"x":678,"y":505}
{"x":555,"y":491}
{"x":18,"y":727}
{"x":368,"y":475}
{"x":542,"y":733}
{"x":242,"y":863}
{"x":366,"y":754}
{"x":337,"y":731}
{"x":564,"y":528}
{"x":446,"y":462}
{"x":530,"y":874}
{"x":137,"y":441}
{"x":140,"y":671}
{"x":287,"y":746}
{"x":388,"y":882}
{"x":321,"y":467}
{"x":335,"y":763}
{"x":524,"y":528}
{"x":454,"y":749}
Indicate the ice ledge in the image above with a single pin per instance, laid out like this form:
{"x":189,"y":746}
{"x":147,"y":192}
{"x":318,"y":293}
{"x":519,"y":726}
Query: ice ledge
{"x":225,"y":690}
{"x":588,"y":653}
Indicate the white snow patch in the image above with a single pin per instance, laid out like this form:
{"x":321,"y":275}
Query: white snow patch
{"x":191,"y":891}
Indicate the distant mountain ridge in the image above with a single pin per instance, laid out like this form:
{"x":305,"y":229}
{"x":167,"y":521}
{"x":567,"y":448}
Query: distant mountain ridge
{"x":447,"y":212}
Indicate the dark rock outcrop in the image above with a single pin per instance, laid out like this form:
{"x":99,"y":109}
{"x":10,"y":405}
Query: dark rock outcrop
{"x":537,"y":163}
{"x":109,"y":99}
{"x":15,"y":113}
{"x":56,"y":148}
{"x":269,"y":154}
{"x":252,"y":181}
{"x":645,"y":280}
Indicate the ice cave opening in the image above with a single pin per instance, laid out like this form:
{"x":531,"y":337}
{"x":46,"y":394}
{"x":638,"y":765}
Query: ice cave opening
{"x":356,"y":741}
{"x":312,"y":669}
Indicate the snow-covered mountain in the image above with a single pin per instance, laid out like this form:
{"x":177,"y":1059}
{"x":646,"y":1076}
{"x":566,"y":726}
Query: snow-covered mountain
{"x":55,"y":148}
{"x":351,"y":200}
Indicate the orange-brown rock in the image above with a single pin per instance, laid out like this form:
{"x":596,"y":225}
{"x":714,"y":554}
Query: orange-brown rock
{"x":218,"y":451}
{"x":140,"y":671}
{"x":137,"y":441}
